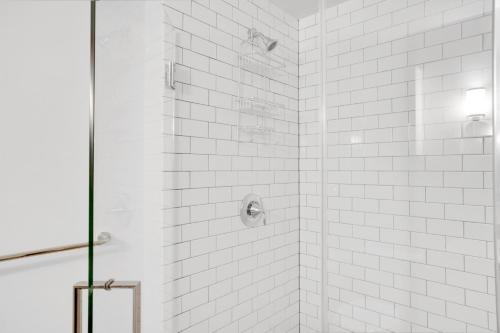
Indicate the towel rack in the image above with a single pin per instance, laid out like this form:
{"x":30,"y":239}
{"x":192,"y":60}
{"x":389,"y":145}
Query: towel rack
{"x":102,"y":239}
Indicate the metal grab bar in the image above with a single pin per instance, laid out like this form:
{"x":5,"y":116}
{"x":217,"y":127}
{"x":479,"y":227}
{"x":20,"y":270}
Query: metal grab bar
{"x":102,"y":238}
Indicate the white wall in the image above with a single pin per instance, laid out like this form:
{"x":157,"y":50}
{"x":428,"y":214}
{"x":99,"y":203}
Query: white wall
{"x":222,"y":276}
{"x":410,"y":243}
{"x":44,"y":147}
{"x":310,"y":176}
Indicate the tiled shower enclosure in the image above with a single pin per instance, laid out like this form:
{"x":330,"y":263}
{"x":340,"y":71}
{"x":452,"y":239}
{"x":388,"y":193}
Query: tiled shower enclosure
{"x":256,"y":166}
{"x":407,"y":172}
{"x":409,"y":179}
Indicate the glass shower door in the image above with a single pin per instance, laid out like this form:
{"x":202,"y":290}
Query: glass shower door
{"x":129,"y":99}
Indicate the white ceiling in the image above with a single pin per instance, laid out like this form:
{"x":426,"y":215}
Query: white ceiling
{"x":302,"y":8}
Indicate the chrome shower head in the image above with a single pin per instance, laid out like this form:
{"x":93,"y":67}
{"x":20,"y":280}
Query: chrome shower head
{"x":272,"y":43}
{"x":268,"y":43}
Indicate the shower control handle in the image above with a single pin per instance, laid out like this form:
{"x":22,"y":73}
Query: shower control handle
{"x":254,"y":209}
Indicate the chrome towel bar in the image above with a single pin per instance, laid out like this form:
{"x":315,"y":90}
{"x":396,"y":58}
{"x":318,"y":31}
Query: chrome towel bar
{"x":102,"y":238}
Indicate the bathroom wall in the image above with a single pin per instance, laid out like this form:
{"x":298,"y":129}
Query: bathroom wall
{"x":410,"y":242}
{"x":310,"y":175}
{"x":45,"y":140}
{"x":44,"y":147}
{"x":220,"y":275}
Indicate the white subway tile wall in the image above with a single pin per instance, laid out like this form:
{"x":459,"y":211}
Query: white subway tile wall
{"x":221,"y":276}
{"x":410,"y":242}
{"x":409,"y":176}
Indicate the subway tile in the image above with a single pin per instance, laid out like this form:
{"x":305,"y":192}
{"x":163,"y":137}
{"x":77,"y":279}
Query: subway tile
{"x":446,"y":292}
{"x":467,"y":314}
{"x":463,"y":46}
{"x":466,"y":280}
{"x":465,"y":213}
{"x":416,"y":199}
{"x":441,"y":323}
{"x":429,"y":304}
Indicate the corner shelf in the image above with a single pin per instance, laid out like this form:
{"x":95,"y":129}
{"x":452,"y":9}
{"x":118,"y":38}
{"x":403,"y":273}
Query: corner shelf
{"x":257,"y":114}
{"x":262,"y":64}
{"x":258,"y":107}
{"x":258,"y":129}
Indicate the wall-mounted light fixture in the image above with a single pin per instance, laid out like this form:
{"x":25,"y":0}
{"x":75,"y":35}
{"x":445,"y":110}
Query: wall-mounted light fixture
{"x":476,"y":104}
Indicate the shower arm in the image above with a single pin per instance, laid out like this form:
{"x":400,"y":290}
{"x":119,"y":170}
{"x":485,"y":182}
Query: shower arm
{"x":253,"y":33}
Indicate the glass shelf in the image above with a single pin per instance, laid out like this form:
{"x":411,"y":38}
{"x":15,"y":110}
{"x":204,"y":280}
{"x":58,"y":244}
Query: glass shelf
{"x":262,"y":64}
{"x":257,"y":130}
{"x":258,"y":106}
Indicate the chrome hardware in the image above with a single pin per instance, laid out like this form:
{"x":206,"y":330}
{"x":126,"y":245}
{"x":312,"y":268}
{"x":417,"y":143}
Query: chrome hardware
{"x":102,"y":239}
{"x":109,"y":285}
{"x":252,"y":211}
{"x":170,"y":74}
{"x":268,"y":44}
{"x":476,"y":117}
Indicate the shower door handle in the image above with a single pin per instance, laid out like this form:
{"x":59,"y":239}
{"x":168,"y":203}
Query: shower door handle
{"x":170,"y":74}
{"x":109,"y":285}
